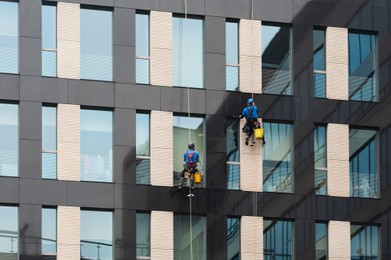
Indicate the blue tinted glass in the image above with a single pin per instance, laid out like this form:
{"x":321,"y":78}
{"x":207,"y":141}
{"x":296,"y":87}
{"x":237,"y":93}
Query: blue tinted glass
{"x":364,"y":242}
{"x":49,"y":165}
{"x":233,"y":177}
{"x":96,"y":235}
{"x":277,"y":158}
{"x":49,"y":231}
{"x":9,"y":49}
{"x":321,"y":241}
{"x":188,"y":52}
{"x":142,"y":71}
{"x":96,"y":145}
{"x":277,"y":240}
{"x":320,"y":182}
{"x":362,"y":67}
{"x":9,"y":140}
{"x":143,"y":168}
{"x":9,"y":232}
{"x":233,"y":238}
{"x":320,"y":147}
{"x":142,"y":134}
{"x":276,"y":60}
{"x":319,"y":53}
{"x":142,"y":35}
{"x":320,"y":85}
{"x":232,"y":137}
{"x":232,"y":42}
{"x":49,"y":22}
{"x":96,"y":45}
{"x":232,"y":78}
{"x":49,"y":128}
{"x":49,"y":63}
{"x":181,"y":237}
{"x":143,"y":235}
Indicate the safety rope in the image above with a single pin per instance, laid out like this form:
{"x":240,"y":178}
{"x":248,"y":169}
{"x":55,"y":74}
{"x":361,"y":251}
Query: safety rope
{"x":252,"y":49}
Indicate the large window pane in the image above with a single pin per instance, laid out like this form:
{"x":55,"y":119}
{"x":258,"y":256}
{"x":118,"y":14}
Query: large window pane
{"x":233,"y":161}
{"x":142,"y":149}
{"x":142,"y":71}
{"x":182,"y":237}
{"x":49,"y":142}
{"x":232,"y":55}
{"x":49,"y":40}
{"x":320,"y":160}
{"x":96,"y":145}
{"x":188,"y":52}
{"x":49,"y":231}
{"x":277,"y":239}
{"x":96,"y":235}
{"x":364,"y":176}
{"x":9,"y":232}
{"x":364,"y":242}
{"x":320,"y":85}
{"x":232,"y":77}
{"x":319,"y":50}
{"x":9,"y":140}
{"x":362,"y":66}
{"x":277,"y":158}
{"x":233,"y":238}
{"x":276,"y":60}
{"x":181,"y":126}
{"x":142,"y":48}
{"x":143,"y":236}
{"x":96,"y":44}
{"x":321,"y":241}
{"x":9,"y":45}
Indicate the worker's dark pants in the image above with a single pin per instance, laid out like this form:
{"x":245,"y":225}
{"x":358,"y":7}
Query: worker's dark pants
{"x":191,"y":169}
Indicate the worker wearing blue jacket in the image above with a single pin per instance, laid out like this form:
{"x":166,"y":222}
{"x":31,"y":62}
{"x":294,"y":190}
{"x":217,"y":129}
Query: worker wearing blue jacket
{"x":251,"y":114}
{"x":191,"y":158}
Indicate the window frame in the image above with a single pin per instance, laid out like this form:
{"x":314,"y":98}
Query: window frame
{"x":52,"y":50}
{"x":145,"y":58}
{"x":144,"y":157}
{"x":45,"y":151}
{"x":233,"y":65}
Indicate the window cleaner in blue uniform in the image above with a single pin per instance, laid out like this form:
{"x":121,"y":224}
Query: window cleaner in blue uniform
{"x":191,"y":158}
{"x":251,"y":114}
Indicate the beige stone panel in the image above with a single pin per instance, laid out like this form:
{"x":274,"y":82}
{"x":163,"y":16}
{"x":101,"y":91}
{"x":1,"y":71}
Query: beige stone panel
{"x":337,"y":45}
{"x":162,"y":235}
{"x":161,"y":67}
{"x":337,"y":81}
{"x":68,"y":161}
{"x":250,"y":76}
{"x":68,"y":62}
{"x":339,"y":240}
{"x":250,"y":38}
{"x":68,"y":123}
{"x":251,"y":238}
{"x":68,"y":233}
{"x":68,"y":21}
{"x":338,"y":142}
{"x":161,"y":30}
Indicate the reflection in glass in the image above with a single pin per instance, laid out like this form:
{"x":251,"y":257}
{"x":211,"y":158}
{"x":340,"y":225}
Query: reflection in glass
{"x":232,"y":55}
{"x":49,"y":231}
{"x":319,"y":50}
{"x":181,"y":126}
{"x":362,"y":66}
{"x":49,"y":63}
{"x":233,"y":238}
{"x":9,"y":232}
{"x":364,"y":242}
{"x":96,"y":145}
{"x":142,"y":48}
{"x":9,"y":143}
{"x":188,"y":52}
{"x":142,"y":71}
{"x":142,"y":149}
{"x":96,"y":44}
{"x":320,"y":85}
{"x":181,"y":237}
{"x":277,"y":239}
{"x":143,"y":235}
{"x":96,"y":235}
{"x":233,"y":165}
{"x":143,"y":168}
{"x":364,"y":176}
{"x":49,"y":142}
{"x":276,"y":60}
{"x":320,"y":160}
{"x":233,"y":177}
{"x":277,"y":158}
{"x":9,"y":44}
{"x":321,"y":241}
{"x":49,"y":40}
{"x":232,"y":77}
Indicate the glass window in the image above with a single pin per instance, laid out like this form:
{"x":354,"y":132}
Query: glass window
{"x":320,"y":160}
{"x":9,"y":143}
{"x":362,"y":66}
{"x":49,"y":231}
{"x":182,"y":237}
{"x":143,"y":236}
{"x":364,"y":175}
{"x":49,"y":40}
{"x":188,"y":52}
{"x":276,"y":59}
{"x":49,"y":142}
{"x":96,"y":145}
{"x":143,"y":156}
{"x":364,"y":242}
{"x":142,"y":48}
{"x":319,"y":63}
{"x":96,"y":235}
{"x":233,"y":238}
{"x":277,"y":158}
{"x":96,"y":44}
{"x":232,"y":55}
{"x":321,"y":241}
{"x":277,"y":239}
{"x":233,"y":161}
{"x":9,"y":232}
{"x":182,"y":125}
{"x":9,"y":33}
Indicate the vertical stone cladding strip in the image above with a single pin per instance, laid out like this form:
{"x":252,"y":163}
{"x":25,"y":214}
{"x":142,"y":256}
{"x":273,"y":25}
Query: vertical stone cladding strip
{"x":161,"y":149}
{"x":68,"y":146}
{"x":251,"y":238}
{"x":250,"y":58}
{"x":162,"y":235}
{"x":337,"y":79}
{"x":339,"y":240}
{"x":68,"y":40}
{"x":68,"y":233}
{"x":338,"y":160}
{"x":250,"y":163}
{"x":161,"y":48}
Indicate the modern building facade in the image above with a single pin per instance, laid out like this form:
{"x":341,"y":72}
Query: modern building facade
{"x":99,"y":99}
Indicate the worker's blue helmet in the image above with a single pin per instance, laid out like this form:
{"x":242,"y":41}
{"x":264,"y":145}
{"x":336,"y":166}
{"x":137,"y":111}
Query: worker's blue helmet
{"x":250,"y":101}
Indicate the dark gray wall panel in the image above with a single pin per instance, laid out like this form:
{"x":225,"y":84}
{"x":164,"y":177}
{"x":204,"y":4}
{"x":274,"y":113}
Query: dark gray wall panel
{"x":91,"y":93}
{"x":216,"y":240}
{"x":30,"y":159}
{"x":54,"y":90}
{"x":138,"y":4}
{"x":30,"y":115}
{"x":305,"y":239}
{"x":124,"y":64}
{"x":124,"y":26}
{"x":9,"y":86}
{"x":273,"y":11}
{"x":91,"y":194}
{"x":197,"y":100}
{"x":124,"y":234}
{"x":30,"y":18}
{"x":215,"y":34}
{"x":124,"y":164}
{"x":215,"y":71}
{"x":30,"y":231}
{"x":137,"y":96}
{"x":215,"y":102}
{"x":30,"y":88}
{"x":94,"y":2}
{"x":124,"y":127}
{"x":9,"y":190}
{"x":30,"y":56}
{"x":228,"y":8}
{"x":171,"y":99}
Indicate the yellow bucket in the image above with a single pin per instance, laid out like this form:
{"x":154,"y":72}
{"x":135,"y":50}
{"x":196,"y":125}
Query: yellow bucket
{"x":258,"y":133}
{"x":197,"y":178}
